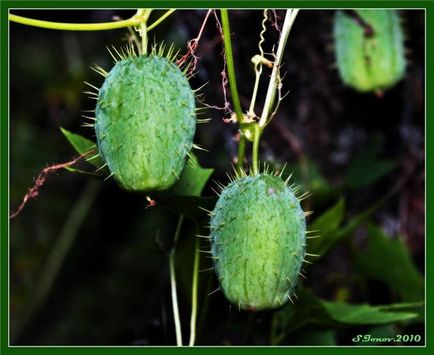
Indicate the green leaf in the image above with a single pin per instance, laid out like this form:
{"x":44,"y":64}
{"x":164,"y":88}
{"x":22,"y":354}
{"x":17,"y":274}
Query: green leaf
{"x":184,"y":197}
{"x":310,"y":310}
{"x":364,"y":314}
{"x":322,"y":245}
{"x":366,"y":168}
{"x":83,"y":145}
{"x":331,"y":219}
{"x":193,"y":179}
{"x":403,"y":306}
{"x":389,"y":260}
{"x":326,"y":225}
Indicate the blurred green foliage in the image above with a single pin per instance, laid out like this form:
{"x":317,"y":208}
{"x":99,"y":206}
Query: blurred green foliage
{"x":389,"y":261}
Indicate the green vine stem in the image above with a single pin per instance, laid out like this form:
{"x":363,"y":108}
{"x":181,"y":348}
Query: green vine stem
{"x":258,"y":64}
{"x":241,"y":152}
{"x":230,"y":64}
{"x":135,"y":20}
{"x":173,"y":283}
{"x":273,"y":87}
{"x":255,"y":148}
{"x":290,"y":16}
{"x":193,"y":318}
{"x":233,"y":84}
{"x":144,"y":15}
{"x":161,"y":19}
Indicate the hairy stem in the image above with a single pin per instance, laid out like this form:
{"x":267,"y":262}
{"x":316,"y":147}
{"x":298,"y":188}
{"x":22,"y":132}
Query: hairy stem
{"x":173,"y":283}
{"x":193,"y":317}
{"x":290,"y":16}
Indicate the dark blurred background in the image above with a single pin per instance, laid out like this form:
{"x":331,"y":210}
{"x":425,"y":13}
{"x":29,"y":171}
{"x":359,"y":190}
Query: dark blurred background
{"x":112,"y":286}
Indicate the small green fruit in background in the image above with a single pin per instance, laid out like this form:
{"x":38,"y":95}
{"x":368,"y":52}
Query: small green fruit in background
{"x":369,"y":47}
{"x":145,"y":122}
{"x":258,"y":241}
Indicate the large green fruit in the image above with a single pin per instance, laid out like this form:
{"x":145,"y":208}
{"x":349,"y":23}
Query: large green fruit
{"x":369,"y":48}
{"x":258,"y":241}
{"x":145,"y":122}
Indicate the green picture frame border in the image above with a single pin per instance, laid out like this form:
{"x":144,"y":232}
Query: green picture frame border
{"x":6,"y":5}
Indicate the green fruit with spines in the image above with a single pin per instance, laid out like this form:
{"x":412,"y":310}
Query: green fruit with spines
{"x":369,"y":48}
{"x":145,"y":121}
{"x":258,"y":241}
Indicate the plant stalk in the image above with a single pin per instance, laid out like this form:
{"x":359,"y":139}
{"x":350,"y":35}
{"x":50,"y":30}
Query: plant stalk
{"x":230,"y":64}
{"x":161,"y":19}
{"x":102,"y":26}
{"x":193,"y":318}
{"x":144,"y":14}
{"x":290,"y":16}
{"x":241,"y":152}
{"x":173,"y":283}
{"x":255,"y":149}
{"x":258,"y":65}
{"x":233,"y":85}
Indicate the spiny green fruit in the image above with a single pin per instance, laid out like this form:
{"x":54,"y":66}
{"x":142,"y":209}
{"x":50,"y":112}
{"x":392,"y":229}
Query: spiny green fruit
{"x":369,"y":47}
{"x":145,"y":122}
{"x":258,"y":241}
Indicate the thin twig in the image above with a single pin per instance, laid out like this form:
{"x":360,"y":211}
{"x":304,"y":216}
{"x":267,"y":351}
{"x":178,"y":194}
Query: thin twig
{"x":192,"y":46}
{"x":40,"y":180}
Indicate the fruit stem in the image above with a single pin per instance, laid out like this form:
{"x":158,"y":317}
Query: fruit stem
{"x":101,"y":26}
{"x":255,"y":148}
{"x":143,"y":15}
{"x":193,"y":317}
{"x":241,"y":152}
{"x":173,"y":283}
{"x":144,"y":35}
{"x":290,"y":16}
